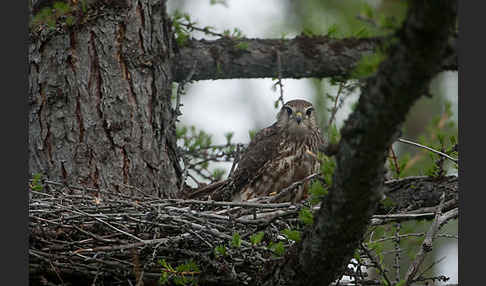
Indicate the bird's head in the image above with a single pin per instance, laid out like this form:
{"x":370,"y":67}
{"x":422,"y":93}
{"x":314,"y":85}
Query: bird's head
{"x":297,"y":117}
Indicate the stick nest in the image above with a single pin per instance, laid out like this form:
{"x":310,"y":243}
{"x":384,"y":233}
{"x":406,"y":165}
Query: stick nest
{"x":81,"y":235}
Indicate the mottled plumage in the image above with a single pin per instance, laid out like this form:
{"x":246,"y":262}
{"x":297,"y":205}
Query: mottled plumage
{"x":276,"y":157}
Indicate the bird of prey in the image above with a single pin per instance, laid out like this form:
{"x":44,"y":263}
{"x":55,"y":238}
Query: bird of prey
{"x":276,"y":157}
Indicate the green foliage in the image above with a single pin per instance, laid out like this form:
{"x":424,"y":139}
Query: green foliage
{"x":181,"y":275}
{"x":180,"y":21}
{"x":222,"y":2}
{"x":252,"y":134}
{"x":84,"y":6}
{"x":382,"y":23}
{"x":333,"y":31}
{"x":218,"y":174}
{"x":317,"y":192}
{"x":236,"y":240}
{"x":441,"y":135}
{"x":362,"y":32}
{"x":378,"y":249}
{"x":388,"y":203}
{"x":308,"y":32}
{"x":328,"y":164}
{"x":334,"y":135}
{"x":379,"y":232}
{"x":37,"y":182}
{"x":388,"y":22}
{"x":235,"y":33}
{"x":183,"y":26}
{"x":356,"y":255}
{"x":51,"y":16}
{"x":70,"y":20}
{"x":412,"y":251}
{"x":402,"y":162}
{"x":293,"y":235}
{"x":256,"y":238}
{"x":61,"y":8}
{"x":193,"y":139}
{"x":434,"y":170}
{"x":368,"y":65}
{"x":220,"y":250}
{"x":242,"y":46}
{"x":400,"y":283}
{"x":367,"y":11}
{"x":306,"y":216}
{"x":284,"y":35}
{"x":277,"y":248}
{"x":44,"y":16}
{"x":229,"y":136}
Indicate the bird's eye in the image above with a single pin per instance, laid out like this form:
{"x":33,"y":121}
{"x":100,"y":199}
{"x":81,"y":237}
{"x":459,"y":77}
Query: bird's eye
{"x":309,"y":111}
{"x":289,"y":110}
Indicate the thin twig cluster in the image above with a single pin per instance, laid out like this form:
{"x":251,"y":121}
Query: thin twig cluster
{"x":117,"y":238}
{"x":111,"y":238}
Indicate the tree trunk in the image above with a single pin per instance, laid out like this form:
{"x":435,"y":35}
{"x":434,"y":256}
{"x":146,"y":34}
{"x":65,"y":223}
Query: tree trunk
{"x":100,"y":112}
{"x":100,"y":116}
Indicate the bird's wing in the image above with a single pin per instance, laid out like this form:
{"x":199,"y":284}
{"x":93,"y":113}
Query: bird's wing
{"x":261,"y":149}
{"x":206,"y":191}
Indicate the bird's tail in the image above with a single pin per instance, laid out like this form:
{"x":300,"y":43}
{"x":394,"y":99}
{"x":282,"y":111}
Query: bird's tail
{"x":210,"y":191}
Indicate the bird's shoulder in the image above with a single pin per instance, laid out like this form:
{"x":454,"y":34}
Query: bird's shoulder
{"x":262,"y":148}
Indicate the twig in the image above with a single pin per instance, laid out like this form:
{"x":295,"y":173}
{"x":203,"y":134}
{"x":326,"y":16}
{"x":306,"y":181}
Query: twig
{"x":395,"y":162}
{"x":108,"y":224}
{"x":236,"y":159}
{"x":184,"y":174}
{"x":420,"y":276}
{"x":376,"y":264}
{"x":132,"y":245}
{"x":203,"y":30}
{"x":397,"y":253}
{"x":381,"y":219}
{"x":401,"y":236}
{"x":428,"y":148}
{"x":181,"y":87}
{"x":290,"y":188}
{"x":279,"y":76}
{"x":180,"y":90}
{"x":239,"y":204}
{"x":68,"y":226}
{"x":448,"y":204}
{"x":426,"y":245}
{"x":335,"y":107}
{"x":145,"y":194}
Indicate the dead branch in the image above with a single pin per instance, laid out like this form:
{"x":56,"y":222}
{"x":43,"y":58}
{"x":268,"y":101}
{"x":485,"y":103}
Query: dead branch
{"x":94,"y":234}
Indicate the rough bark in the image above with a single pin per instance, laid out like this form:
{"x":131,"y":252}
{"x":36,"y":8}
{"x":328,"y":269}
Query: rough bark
{"x":368,"y":133}
{"x":301,"y":57}
{"x":100,"y":112}
{"x":414,"y":194}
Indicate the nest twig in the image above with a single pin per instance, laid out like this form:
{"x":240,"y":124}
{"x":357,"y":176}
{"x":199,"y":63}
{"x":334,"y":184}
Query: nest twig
{"x":111,"y":238}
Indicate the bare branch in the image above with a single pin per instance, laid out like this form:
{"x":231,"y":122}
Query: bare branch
{"x":301,"y":57}
{"x":428,"y":148}
{"x":426,"y":245}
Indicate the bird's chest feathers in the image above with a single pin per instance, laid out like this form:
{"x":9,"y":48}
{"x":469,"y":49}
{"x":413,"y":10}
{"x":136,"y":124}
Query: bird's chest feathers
{"x":294,"y":160}
{"x":291,"y":163}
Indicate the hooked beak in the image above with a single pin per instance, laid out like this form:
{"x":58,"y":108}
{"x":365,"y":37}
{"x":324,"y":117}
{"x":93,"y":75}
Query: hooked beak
{"x":298,"y":117}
